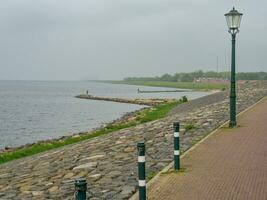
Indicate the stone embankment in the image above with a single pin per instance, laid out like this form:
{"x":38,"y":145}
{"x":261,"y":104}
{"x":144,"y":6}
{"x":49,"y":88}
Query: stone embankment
{"x":147,"y":102}
{"x":109,"y":162}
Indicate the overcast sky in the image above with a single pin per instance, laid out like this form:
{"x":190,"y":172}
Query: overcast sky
{"x":112,"y":39}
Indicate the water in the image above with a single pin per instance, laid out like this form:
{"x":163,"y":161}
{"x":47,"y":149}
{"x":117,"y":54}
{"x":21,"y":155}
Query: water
{"x":40,"y":110}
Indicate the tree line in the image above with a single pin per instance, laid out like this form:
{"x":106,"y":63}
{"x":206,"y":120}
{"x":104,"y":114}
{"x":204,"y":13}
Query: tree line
{"x":189,"y":77}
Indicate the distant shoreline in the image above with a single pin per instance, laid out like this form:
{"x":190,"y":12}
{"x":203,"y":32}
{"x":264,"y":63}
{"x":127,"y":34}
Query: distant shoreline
{"x":179,"y":85}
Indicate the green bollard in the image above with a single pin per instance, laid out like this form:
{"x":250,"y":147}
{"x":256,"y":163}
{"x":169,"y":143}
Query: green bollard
{"x":80,"y":189}
{"x":176,"y":152}
{"x":141,"y":170}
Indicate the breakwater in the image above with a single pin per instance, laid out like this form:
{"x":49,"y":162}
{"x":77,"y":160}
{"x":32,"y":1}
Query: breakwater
{"x":109,"y":162}
{"x":147,"y":102}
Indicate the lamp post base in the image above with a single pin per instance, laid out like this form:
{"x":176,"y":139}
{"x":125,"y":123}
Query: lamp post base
{"x":232,"y":124}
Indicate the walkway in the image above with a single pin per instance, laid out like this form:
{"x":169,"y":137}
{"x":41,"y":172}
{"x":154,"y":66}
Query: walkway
{"x":231,"y":164}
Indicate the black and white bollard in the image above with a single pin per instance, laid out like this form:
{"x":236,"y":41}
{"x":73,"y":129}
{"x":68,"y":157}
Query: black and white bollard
{"x":141,"y":170}
{"x":80,"y":189}
{"x":176,"y":152}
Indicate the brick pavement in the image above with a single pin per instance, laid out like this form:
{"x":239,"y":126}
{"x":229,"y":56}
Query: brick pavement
{"x":230,"y":164}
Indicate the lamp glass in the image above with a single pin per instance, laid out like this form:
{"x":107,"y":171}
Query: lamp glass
{"x":233,"y":19}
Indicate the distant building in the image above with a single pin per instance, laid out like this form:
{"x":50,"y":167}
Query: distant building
{"x":211,"y":80}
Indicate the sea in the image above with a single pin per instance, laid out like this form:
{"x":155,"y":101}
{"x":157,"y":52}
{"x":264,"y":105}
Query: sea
{"x":31,"y":111}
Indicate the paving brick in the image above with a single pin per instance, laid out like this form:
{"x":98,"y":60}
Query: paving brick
{"x":231,"y":164}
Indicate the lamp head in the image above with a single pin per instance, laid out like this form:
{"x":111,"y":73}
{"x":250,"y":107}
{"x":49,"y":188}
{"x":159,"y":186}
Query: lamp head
{"x":233,"y":19}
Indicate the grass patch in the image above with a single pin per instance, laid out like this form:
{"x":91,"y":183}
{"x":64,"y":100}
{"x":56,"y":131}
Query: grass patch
{"x":172,"y":171}
{"x":142,"y":116}
{"x":181,"y":85}
{"x":189,"y":127}
{"x":150,"y":175}
{"x":155,"y":113}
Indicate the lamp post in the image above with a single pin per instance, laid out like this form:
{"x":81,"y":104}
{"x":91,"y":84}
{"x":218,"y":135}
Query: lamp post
{"x":233,"y":19}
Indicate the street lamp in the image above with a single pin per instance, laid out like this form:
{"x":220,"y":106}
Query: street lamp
{"x":233,"y":19}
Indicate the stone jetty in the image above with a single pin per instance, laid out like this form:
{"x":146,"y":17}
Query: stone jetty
{"x":109,"y":162}
{"x":147,"y":102}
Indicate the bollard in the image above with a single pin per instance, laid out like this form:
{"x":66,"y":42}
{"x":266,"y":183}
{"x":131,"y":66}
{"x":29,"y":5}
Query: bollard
{"x":176,"y":141}
{"x":141,"y":170}
{"x":80,"y":189}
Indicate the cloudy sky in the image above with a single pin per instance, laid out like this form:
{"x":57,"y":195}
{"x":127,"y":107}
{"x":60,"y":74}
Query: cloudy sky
{"x":112,"y":39}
